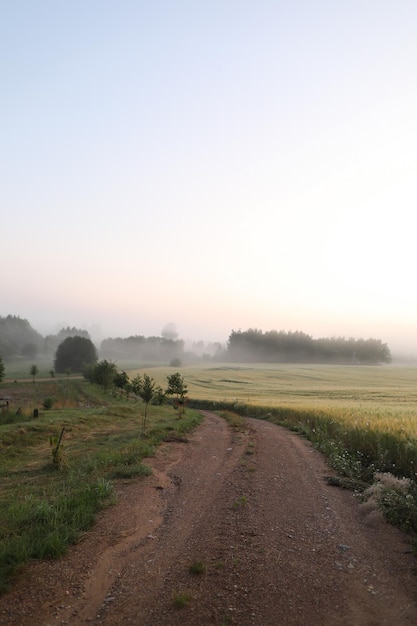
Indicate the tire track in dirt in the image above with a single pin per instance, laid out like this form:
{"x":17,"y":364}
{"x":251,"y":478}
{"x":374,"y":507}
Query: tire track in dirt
{"x":279,"y":546}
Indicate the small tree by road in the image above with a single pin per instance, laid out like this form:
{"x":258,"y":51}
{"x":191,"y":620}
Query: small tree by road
{"x":2,"y":370}
{"x":146,"y":392}
{"x":177,"y":387}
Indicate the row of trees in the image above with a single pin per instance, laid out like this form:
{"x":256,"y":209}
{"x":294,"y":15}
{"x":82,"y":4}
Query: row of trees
{"x":73,"y":348}
{"x":106,"y":374}
{"x":143,"y":348}
{"x":253,"y":345}
{"x":18,"y":338}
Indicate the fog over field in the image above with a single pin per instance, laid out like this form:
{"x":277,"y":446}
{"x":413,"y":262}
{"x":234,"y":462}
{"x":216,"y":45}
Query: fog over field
{"x":219,"y":165}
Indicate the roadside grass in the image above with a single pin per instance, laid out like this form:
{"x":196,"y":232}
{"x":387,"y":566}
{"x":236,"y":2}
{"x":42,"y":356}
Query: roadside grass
{"x":44,"y":509}
{"x":234,"y":420}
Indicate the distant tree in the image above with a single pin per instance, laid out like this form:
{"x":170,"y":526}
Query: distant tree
{"x":75,"y":353}
{"x":33,"y":371}
{"x":177,"y":387}
{"x":169,"y":331}
{"x":30,"y":350}
{"x":297,"y":347}
{"x":2,"y":369}
{"x":51,"y":342}
{"x":17,"y":335}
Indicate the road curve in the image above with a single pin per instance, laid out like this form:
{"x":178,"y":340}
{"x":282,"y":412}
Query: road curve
{"x":276,"y":545}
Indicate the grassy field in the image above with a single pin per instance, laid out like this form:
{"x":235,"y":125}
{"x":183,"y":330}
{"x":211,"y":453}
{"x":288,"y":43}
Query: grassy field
{"x":44,"y":506}
{"x":362,"y":418}
{"x":385,"y":391}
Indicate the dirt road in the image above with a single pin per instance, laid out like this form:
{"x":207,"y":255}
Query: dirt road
{"x":269,"y":543}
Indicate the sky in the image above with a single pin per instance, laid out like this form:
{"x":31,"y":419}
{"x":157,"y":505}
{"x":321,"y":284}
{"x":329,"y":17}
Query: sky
{"x":218,"y":165}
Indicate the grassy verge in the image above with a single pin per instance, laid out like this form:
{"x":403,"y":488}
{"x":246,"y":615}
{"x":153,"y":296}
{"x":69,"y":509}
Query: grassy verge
{"x":43,"y":509}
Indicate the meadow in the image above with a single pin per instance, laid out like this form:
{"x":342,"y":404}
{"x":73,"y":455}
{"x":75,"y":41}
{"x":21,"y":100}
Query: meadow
{"x":51,"y":491}
{"x":371,"y":387}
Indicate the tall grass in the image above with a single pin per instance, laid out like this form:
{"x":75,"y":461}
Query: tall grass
{"x":41,"y":528}
{"x":42,"y":509}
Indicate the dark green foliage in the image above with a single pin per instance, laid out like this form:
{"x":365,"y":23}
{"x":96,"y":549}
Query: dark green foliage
{"x":178,"y":388}
{"x":146,"y":393}
{"x":141,"y":348}
{"x":47,"y":404}
{"x":75,"y":353}
{"x":136,"y":385}
{"x":121,"y":380}
{"x":51,"y":342}
{"x":33,"y":371}
{"x":254,"y":346}
{"x":102,"y":373}
{"x":2,"y":369}
{"x":158,"y":396}
{"x":17,"y":337}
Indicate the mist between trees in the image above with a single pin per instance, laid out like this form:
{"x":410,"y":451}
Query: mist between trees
{"x":18,"y":338}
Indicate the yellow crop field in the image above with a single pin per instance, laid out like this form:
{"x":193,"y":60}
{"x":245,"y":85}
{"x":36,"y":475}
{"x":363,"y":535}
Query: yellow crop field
{"x":364,"y":418}
{"x":383,"y":391}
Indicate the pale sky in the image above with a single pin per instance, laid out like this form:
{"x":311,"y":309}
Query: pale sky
{"x":217,"y":164}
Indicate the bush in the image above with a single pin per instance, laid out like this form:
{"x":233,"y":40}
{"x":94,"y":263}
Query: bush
{"x":47,"y":404}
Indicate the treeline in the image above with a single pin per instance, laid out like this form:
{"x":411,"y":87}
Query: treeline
{"x":18,"y":338}
{"x":143,"y":348}
{"x":274,"y":346}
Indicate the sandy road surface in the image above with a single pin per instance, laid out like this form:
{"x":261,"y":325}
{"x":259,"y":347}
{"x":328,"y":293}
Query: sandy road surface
{"x":277,"y":544}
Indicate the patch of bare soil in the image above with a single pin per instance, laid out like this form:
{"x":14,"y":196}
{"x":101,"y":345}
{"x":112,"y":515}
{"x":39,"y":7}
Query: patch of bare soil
{"x":276,"y":545}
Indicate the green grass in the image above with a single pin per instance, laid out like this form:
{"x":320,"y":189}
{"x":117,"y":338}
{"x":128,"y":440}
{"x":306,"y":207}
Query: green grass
{"x":42,"y":509}
{"x":362,"y":418}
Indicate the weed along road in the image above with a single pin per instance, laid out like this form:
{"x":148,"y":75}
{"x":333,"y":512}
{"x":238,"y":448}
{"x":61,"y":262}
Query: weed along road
{"x":233,"y":527}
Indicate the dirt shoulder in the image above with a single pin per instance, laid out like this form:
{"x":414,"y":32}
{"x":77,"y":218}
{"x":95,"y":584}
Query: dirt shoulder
{"x":277,"y":545}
